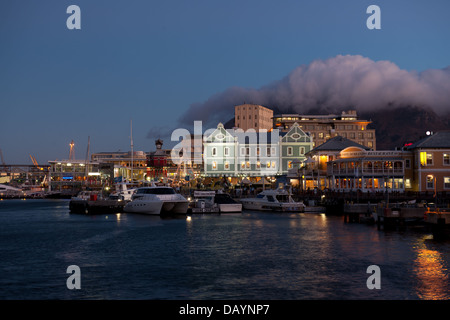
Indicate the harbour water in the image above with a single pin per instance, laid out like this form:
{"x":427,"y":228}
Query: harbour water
{"x":250,"y":255}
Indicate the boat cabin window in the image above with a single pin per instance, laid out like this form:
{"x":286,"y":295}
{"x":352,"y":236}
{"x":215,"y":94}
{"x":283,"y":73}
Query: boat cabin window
{"x":156,"y":191}
{"x":270,"y":198}
{"x":260,"y":196}
{"x":283,"y":198}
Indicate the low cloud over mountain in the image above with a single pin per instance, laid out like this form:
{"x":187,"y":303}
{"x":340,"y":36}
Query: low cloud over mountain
{"x":342,"y":83}
{"x":335,"y":84}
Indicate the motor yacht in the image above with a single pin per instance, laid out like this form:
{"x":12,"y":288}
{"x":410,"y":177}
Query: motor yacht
{"x":8,"y":191}
{"x":157,"y":200}
{"x":226,"y":203}
{"x":203,"y":202}
{"x":273,"y":200}
{"x":122,"y":192}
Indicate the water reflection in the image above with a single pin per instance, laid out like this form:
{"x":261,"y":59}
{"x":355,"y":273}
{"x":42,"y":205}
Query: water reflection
{"x":431,"y":273}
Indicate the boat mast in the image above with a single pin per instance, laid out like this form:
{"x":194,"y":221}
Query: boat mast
{"x":131,"y":138}
{"x":86,"y":166}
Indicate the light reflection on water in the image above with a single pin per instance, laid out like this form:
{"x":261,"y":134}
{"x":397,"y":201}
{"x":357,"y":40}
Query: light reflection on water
{"x":252,"y":255}
{"x":432,"y":273}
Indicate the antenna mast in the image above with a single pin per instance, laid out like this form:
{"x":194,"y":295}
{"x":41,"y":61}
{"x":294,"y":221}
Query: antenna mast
{"x":72,"y":151}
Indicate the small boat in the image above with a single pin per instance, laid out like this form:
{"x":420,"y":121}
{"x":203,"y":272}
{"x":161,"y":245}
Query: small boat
{"x":203,"y":202}
{"x":273,"y":200}
{"x":86,"y":195}
{"x":157,"y":200}
{"x":122,"y":192}
{"x":226,"y":203}
{"x":8,"y":191}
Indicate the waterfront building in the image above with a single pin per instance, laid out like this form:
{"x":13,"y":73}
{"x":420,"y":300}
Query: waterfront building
{"x":314,"y":171}
{"x":431,"y":163}
{"x":358,"y":169}
{"x":252,"y":116}
{"x":251,"y":153}
{"x":157,"y":163}
{"x":324,"y":127}
{"x":191,"y":167}
{"x":127,"y":166}
{"x":70,"y":176}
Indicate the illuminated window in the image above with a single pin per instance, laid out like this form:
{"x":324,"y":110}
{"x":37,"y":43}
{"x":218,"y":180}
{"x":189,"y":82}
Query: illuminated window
{"x":446,"y":182}
{"x":214,"y":165}
{"x":258,"y":165}
{"x":226,"y":165}
{"x":268,"y":164}
{"x":430,"y":182}
{"x":446,"y":159}
{"x":290,"y":165}
{"x":243,"y":165}
{"x":273,"y":164}
{"x":248,"y":164}
{"x":429,"y":159}
{"x":407,"y":183}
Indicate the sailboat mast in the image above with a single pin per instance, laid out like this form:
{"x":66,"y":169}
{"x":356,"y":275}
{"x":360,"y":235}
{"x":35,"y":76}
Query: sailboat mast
{"x":132,"y":159}
{"x":86,"y":161}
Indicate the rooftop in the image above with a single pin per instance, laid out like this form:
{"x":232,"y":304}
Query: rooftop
{"x":439,"y":139}
{"x":338,"y":143}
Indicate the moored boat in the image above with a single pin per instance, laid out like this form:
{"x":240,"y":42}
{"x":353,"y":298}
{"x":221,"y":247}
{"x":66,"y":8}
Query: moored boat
{"x":204,"y":202}
{"x":226,"y":203}
{"x":273,"y":200}
{"x":157,"y":200}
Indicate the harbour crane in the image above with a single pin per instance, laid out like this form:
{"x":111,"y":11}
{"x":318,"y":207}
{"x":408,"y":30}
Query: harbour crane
{"x":33,"y":159}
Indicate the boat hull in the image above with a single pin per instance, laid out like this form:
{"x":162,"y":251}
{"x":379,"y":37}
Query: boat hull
{"x":157,"y":207}
{"x":175,"y":207}
{"x":230,"y":207}
{"x":144,"y":207}
{"x":265,"y":206}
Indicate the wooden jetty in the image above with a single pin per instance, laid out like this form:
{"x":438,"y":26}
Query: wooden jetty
{"x":392,"y":217}
{"x":96,"y":206}
{"x":439,"y":221}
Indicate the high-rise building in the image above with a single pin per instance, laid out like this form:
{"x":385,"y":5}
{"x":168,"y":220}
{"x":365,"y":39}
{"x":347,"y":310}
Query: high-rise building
{"x":252,"y":116}
{"x":324,"y":127}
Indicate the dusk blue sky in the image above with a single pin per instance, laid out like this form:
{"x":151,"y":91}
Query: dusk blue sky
{"x":150,"y":61}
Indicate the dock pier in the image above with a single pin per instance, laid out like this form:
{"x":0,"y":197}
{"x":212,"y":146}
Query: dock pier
{"x":397,"y":216}
{"x":439,"y":221}
{"x":96,"y":206}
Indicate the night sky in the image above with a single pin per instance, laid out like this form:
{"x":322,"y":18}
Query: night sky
{"x":161,"y":64}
